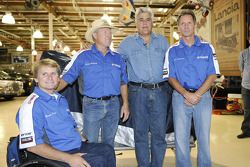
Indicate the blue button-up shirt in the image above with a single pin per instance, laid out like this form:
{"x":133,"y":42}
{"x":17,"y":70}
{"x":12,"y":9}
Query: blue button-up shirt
{"x":144,"y":62}
{"x":191,"y":65}
{"x":102,"y":75}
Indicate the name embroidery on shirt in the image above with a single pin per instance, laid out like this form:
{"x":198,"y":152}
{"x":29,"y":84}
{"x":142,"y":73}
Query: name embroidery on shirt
{"x":178,"y":59}
{"x":116,"y":65}
{"x":92,"y":63}
{"x":49,"y":115}
{"x":202,"y":57}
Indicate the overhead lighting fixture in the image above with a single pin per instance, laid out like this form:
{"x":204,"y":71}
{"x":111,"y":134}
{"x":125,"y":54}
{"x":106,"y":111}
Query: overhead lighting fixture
{"x":73,"y":52}
{"x":176,"y":35}
{"x":8,"y":18}
{"x":34,"y":53}
{"x":66,"y":48}
{"x":1,"y":43}
{"x":54,"y":42}
{"x":19,"y":48}
{"x":106,"y":17}
{"x":37,"y":34}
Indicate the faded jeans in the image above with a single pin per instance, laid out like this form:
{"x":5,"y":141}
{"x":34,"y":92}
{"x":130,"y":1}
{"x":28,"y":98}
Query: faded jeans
{"x":245,"y":127}
{"x":148,"y":109}
{"x":183,"y":114}
{"x":100,"y":114}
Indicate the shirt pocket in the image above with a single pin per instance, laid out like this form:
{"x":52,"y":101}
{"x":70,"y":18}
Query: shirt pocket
{"x":115,"y":71}
{"x":159,"y":54}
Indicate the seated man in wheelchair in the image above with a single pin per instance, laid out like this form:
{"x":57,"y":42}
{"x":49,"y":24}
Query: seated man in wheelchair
{"x":45,"y":115}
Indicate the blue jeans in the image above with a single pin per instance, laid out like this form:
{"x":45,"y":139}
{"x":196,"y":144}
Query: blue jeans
{"x":148,"y":108}
{"x":183,"y":114}
{"x":245,"y":127}
{"x":98,"y":155}
{"x":100,"y":114}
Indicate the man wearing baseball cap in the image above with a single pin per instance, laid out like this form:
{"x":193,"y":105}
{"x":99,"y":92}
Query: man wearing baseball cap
{"x":104,"y":79}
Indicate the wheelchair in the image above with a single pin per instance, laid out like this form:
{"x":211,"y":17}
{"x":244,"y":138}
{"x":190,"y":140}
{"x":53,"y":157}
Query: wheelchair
{"x":24,"y":158}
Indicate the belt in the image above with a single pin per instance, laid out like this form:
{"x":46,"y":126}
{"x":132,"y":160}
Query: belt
{"x":147,"y":85}
{"x":191,"y":90}
{"x":102,"y":98}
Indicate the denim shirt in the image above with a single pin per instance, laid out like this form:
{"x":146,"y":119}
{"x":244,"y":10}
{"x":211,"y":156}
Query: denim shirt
{"x":144,"y":62}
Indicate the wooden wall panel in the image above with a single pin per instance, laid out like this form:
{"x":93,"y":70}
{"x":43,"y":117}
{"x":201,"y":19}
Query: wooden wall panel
{"x":228,"y":34}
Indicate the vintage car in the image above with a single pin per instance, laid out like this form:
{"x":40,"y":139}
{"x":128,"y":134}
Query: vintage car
{"x":9,"y":88}
{"x":26,"y":79}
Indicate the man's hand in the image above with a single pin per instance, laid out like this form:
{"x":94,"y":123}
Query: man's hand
{"x":191,"y":98}
{"x":124,"y":112}
{"x":76,"y":160}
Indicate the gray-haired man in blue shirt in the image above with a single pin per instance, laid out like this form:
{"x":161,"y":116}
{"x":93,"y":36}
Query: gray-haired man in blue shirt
{"x":149,"y":93}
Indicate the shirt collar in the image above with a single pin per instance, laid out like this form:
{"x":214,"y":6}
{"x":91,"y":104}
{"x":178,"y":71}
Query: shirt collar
{"x":95,"y":50}
{"x":44,"y":95}
{"x":197,"y":42}
{"x":152,"y":35}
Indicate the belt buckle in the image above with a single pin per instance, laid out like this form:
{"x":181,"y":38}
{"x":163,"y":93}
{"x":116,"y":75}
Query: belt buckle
{"x":105,"y":98}
{"x":156,"y":86}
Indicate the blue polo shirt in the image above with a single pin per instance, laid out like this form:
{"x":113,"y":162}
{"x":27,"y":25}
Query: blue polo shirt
{"x":144,"y":62}
{"x":49,"y":115}
{"x":191,"y":65}
{"x":102,"y":75}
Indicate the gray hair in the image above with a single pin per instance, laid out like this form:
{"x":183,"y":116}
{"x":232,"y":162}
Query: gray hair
{"x":186,"y":12}
{"x":144,"y":10}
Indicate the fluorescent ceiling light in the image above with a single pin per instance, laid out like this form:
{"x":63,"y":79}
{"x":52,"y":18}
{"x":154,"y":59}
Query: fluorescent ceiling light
{"x":106,"y":17}
{"x":176,"y":35}
{"x":19,"y":48}
{"x":66,"y":48}
{"x":37,"y":34}
{"x":54,"y":42}
{"x":8,"y":18}
{"x":73,"y":52}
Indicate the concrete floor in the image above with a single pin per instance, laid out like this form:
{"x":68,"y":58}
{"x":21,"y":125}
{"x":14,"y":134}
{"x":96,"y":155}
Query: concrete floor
{"x":226,"y":149}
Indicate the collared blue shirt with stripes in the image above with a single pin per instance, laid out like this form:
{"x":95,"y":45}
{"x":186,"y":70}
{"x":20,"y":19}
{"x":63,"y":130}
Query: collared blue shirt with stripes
{"x":191,"y":65}
{"x":102,"y":75}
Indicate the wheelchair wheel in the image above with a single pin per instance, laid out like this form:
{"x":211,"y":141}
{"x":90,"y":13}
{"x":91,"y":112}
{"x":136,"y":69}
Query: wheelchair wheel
{"x":42,"y":163}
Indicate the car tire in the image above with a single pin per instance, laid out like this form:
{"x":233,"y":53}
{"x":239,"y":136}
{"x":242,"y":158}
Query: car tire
{"x":8,"y":97}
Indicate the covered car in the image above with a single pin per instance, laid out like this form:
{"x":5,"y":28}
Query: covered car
{"x":9,"y":88}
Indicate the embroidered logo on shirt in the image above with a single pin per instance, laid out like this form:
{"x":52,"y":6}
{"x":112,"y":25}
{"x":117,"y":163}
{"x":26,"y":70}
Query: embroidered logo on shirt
{"x":202,"y":57}
{"x":49,"y":115}
{"x":91,"y":63}
{"x":178,"y":59}
{"x":26,"y":138}
{"x":116,"y":65}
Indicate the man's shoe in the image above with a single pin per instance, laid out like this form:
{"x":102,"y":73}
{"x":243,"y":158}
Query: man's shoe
{"x":243,"y":135}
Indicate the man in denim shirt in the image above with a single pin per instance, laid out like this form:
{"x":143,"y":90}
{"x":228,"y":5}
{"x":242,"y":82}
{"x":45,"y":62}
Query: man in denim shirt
{"x":149,"y":93}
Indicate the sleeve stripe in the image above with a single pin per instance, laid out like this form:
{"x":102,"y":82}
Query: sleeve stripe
{"x":69,"y":65}
{"x":26,"y":128}
{"x":215,"y":61}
